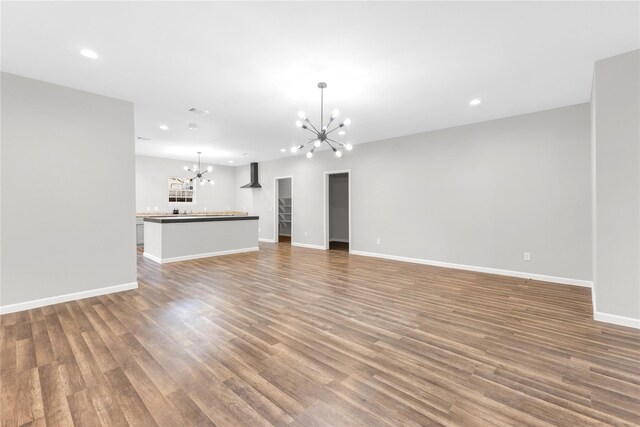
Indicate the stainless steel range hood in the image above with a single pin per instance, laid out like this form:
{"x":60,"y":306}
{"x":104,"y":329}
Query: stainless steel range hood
{"x":254,"y":177}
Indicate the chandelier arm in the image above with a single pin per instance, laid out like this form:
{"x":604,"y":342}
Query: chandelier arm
{"x":330,"y":121}
{"x":315,"y":133}
{"x":328,"y":143}
{"x":311,"y":124}
{"x":332,"y":130}
{"x":337,"y":142}
{"x":310,"y":141}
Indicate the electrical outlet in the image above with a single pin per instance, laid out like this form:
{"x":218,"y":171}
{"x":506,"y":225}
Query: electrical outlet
{"x":305,"y":234}
{"x":526,"y":256}
{"x":378,"y":241}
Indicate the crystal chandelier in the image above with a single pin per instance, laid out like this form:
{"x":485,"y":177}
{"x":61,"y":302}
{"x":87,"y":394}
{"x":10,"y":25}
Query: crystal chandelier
{"x":199,"y":173}
{"x":322,"y":135}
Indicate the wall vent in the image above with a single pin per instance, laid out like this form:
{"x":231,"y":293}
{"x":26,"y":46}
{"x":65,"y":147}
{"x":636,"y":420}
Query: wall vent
{"x":197,"y":111}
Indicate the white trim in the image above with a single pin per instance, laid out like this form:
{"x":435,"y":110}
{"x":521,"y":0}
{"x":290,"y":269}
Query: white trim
{"x":266,"y":240}
{"x":520,"y":274}
{"x":197,"y":256}
{"x":151,"y":257}
{"x":326,"y":203}
{"x":276,"y":216}
{"x":28,"y":305}
{"x":617,"y":320}
{"x":306,"y":245}
{"x":594,"y":243}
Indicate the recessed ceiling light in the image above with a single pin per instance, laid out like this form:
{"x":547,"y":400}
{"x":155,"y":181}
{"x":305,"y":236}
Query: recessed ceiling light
{"x":88,"y":53}
{"x":283,"y":150}
{"x":230,"y":161}
{"x":475,"y":101}
{"x":164,"y":127}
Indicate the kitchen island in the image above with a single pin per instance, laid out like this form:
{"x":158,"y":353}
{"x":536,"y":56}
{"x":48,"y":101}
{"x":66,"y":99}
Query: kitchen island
{"x":180,"y":238}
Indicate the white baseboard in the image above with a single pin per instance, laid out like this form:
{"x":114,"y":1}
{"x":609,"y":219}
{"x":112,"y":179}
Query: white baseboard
{"x":306,"y":245}
{"x":151,"y":257}
{"x":197,"y":256}
{"x":520,"y":274}
{"x":266,"y":240}
{"x":617,"y":320}
{"x":28,"y":305}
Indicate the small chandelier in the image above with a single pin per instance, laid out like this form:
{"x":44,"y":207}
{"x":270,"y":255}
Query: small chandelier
{"x":322,"y":135}
{"x":199,"y":173}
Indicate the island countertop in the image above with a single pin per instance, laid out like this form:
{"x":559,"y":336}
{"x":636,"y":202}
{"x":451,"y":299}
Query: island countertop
{"x":197,"y":218}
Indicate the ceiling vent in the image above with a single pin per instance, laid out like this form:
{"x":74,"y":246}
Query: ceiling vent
{"x":197,"y":111}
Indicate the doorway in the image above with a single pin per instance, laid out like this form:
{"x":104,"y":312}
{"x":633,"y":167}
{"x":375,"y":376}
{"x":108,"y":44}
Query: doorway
{"x":337,"y":211}
{"x":283,"y":209}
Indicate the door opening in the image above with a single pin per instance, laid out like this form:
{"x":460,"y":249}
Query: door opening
{"x":284,"y":210}
{"x":338,"y":215}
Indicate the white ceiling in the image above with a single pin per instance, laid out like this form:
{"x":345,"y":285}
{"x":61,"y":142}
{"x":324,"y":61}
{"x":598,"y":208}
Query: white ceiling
{"x":393,"y":68}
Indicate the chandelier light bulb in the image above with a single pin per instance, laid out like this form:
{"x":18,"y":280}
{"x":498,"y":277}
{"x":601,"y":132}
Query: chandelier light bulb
{"x":338,"y":153}
{"x":298,"y":123}
{"x":318,"y":143}
{"x":211,"y":182}
{"x":342,"y":133}
{"x":88,"y":53}
{"x":309,"y":155}
{"x":335,"y":113}
{"x":347,"y":122}
{"x":294,"y":148}
{"x":186,"y":168}
{"x":210,"y":169}
{"x":195,"y":168}
{"x":348,"y":147}
{"x":201,"y":182}
{"x":302,"y":115}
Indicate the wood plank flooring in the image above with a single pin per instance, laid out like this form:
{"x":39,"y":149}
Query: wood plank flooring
{"x":301,"y":337}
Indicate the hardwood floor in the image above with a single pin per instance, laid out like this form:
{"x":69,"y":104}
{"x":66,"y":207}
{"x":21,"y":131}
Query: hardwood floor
{"x":301,"y":337}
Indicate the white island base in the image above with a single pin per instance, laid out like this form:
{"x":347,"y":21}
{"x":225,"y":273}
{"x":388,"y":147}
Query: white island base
{"x":172,"y":239}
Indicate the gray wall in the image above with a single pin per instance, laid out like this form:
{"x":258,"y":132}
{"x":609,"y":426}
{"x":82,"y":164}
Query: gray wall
{"x":339,"y":207}
{"x":478,"y":195}
{"x":68,"y":202}
{"x":284,"y":187}
{"x":616,"y":156}
{"x":152,"y":174}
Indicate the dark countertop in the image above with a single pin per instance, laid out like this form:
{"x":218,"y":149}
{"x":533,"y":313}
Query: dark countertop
{"x":197,"y":218}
